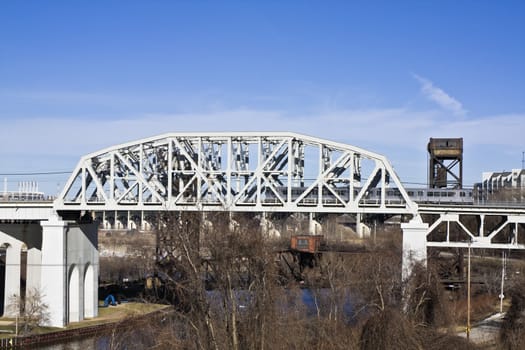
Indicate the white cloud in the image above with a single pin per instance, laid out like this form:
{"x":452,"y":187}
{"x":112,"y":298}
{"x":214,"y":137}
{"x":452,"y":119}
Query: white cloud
{"x":379,"y":128}
{"x":440,"y":97}
{"x":401,"y":134}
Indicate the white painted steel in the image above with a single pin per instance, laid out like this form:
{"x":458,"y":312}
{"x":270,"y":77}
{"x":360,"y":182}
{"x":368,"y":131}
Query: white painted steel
{"x":262,"y":172}
{"x":511,"y":218}
{"x":471,"y":209}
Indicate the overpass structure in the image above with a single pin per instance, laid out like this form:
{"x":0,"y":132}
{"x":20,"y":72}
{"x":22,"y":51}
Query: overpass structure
{"x":236,"y":172}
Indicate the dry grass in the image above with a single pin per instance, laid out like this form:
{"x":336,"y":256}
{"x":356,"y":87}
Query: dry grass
{"x":105,"y":315}
{"x":118,"y":313}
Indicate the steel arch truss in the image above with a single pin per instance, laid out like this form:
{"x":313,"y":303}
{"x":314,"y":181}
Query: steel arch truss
{"x":235,"y":171}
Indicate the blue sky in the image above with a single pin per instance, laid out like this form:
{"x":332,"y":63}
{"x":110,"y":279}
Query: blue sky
{"x":78,"y":76}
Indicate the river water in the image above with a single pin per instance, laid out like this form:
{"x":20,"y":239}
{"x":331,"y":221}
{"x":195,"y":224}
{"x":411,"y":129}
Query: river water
{"x":313,"y":303}
{"x":91,"y":343}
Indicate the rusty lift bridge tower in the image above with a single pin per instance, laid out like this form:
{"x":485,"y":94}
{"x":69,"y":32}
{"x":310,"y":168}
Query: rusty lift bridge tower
{"x":445,"y":163}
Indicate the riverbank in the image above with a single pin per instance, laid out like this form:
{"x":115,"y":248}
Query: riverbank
{"x":123,"y":315}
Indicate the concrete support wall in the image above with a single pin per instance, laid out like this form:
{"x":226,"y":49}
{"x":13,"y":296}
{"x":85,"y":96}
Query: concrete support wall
{"x":34,"y":260}
{"x":15,"y":237}
{"x":12,"y":276}
{"x":69,"y":270}
{"x":82,"y":261}
{"x":414,"y":245}
{"x":53,"y":270}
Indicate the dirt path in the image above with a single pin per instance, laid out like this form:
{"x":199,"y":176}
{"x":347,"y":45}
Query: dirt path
{"x":485,"y":331}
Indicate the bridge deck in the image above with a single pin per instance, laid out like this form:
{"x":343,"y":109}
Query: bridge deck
{"x":26,"y":211}
{"x":488,"y":209}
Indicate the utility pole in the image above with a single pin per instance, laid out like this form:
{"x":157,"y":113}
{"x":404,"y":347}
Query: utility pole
{"x":468,"y":293}
{"x":503,"y":267}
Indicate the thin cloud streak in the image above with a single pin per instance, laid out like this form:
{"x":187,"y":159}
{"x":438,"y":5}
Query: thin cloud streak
{"x":440,"y":97}
{"x":400,"y":134}
{"x":380,"y":128}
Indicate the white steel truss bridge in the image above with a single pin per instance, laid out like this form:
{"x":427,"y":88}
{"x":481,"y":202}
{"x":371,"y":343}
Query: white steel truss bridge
{"x":237,"y":172}
{"x":263,"y":172}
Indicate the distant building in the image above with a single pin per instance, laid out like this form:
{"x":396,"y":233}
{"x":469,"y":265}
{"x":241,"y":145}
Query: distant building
{"x":502,"y":186}
{"x":27,"y":191}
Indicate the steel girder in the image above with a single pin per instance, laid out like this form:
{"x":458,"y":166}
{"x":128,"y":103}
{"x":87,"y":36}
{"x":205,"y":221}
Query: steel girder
{"x":450,"y":228}
{"x":272,"y":171}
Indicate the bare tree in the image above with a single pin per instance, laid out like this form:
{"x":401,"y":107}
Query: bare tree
{"x":376,"y":279}
{"x":179,"y":261}
{"x":30,"y":309}
{"x":233,"y":259}
{"x":244,"y":276}
{"x":512,"y":333}
{"x":222,"y":277}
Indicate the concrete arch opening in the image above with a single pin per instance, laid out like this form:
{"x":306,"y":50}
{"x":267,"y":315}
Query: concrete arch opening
{"x":3,"y":256}
{"x":12,"y":271}
{"x":90,"y":302}
{"x":23,"y":271}
{"x":74,"y":294}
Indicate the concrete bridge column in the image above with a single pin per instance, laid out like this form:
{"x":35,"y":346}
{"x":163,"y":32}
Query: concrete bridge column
{"x":54,"y":270}
{"x":358,"y":227}
{"x":414,"y":245}
{"x":129,"y":223}
{"x":105,"y":223}
{"x":12,"y":276}
{"x":34,"y":260}
{"x":264,"y":223}
{"x":314,"y":227}
{"x":82,"y":264}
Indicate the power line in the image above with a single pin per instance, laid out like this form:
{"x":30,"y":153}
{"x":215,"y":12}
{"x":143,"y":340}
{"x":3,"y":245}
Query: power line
{"x":36,"y":173}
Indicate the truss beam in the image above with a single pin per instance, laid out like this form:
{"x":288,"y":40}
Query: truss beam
{"x":284,"y":172}
{"x":455,"y":227}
